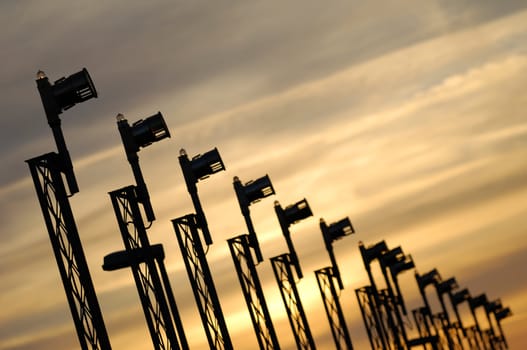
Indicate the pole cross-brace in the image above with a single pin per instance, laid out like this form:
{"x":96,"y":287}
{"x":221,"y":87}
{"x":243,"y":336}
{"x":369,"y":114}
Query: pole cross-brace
{"x":46,"y":172}
{"x":326,"y":284}
{"x":252,"y":291}
{"x":295,"y":311}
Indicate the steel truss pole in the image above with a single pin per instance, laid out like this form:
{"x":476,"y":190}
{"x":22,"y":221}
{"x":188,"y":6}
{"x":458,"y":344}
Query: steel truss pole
{"x":295,"y":312}
{"x":371,"y":317}
{"x":69,"y":254}
{"x":328,"y":291}
{"x":200,"y":277}
{"x":150,"y":278}
{"x":252,"y":292}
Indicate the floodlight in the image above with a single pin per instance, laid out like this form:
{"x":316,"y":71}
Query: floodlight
{"x":65,"y":92}
{"x":295,"y":212}
{"x":480,"y":300}
{"x":373,"y":252}
{"x":493,"y":306}
{"x":337,"y":230}
{"x":503,"y":313}
{"x":207,"y":164}
{"x":260,"y":188}
{"x":460,"y":296}
{"x":431,"y":277}
{"x":392,"y":256}
{"x":400,"y":266}
{"x":447,"y":286}
{"x":74,"y":89}
{"x":127,"y":258}
{"x":141,"y":134}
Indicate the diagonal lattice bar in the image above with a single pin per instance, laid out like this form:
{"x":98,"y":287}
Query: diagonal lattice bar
{"x":150,"y":277}
{"x":295,"y":311}
{"x":326,"y":284}
{"x":252,"y":292}
{"x":371,"y":317}
{"x":68,"y":251}
{"x":200,"y":277}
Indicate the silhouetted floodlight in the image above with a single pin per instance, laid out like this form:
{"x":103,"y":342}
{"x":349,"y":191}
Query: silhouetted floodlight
{"x":460,"y":296}
{"x":494,"y":305}
{"x":480,"y":300}
{"x":56,"y":98}
{"x":252,"y":192}
{"x":124,"y":258}
{"x":447,"y":286}
{"x":199,"y":168}
{"x":142,"y":133}
{"x":331,"y":233}
{"x":373,"y":252}
{"x":392,"y":256}
{"x":503,"y":313}
{"x":431,"y":277}
{"x":286,"y":217}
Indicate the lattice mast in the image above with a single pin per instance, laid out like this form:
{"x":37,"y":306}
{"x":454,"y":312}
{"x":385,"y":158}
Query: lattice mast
{"x":47,"y":172}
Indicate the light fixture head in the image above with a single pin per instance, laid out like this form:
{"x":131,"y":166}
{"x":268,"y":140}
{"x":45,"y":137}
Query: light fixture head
{"x":480,"y":300}
{"x":258,"y":189}
{"x":74,"y":89}
{"x":447,"y":286}
{"x":503,"y":313}
{"x":149,"y":130}
{"x":296,"y":212}
{"x":127,"y":258}
{"x":460,"y":296}
{"x":373,"y":252}
{"x":337,"y":230}
{"x":392,"y":256}
{"x":207,"y":164}
{"x":431,"y":277}
{"x":401,"y":266}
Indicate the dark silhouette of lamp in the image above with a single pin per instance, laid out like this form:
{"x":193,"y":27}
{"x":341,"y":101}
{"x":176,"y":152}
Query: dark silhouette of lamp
{"x":286,"y":217}
{"x":199,"y":168}
{"x":124,"y":258}
{"x":141,"y":134}
{"x":62,"y":95}
{"x":331,"y":233}
{"x":252,"y":192}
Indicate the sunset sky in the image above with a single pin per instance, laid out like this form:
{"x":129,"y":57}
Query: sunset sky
{"x":406,"y":116}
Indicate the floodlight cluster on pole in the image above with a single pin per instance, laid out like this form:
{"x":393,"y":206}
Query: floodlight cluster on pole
{"x":47,"y":172}
{"x":383,"y":309}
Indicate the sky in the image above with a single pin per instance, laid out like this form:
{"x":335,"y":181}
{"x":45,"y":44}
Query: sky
{"x":405,"y":116}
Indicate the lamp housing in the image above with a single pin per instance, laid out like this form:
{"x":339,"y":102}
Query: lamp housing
{"x":337,"y":230}
{"x":431,"y":277}
{"x":392,"y":257}
{"x":401,"y":266}
{"x":503,"y":313}
{"x":296,"y":212}
{"x":447,"y":286}
{"x":258,"y":189}
{"x":74,"y":89}
{"x":460,"y":296}
{"x":372,"y":252}
{"x":149,"y":130}
{"x":206,"y":164}
{"x":480,"y":300}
